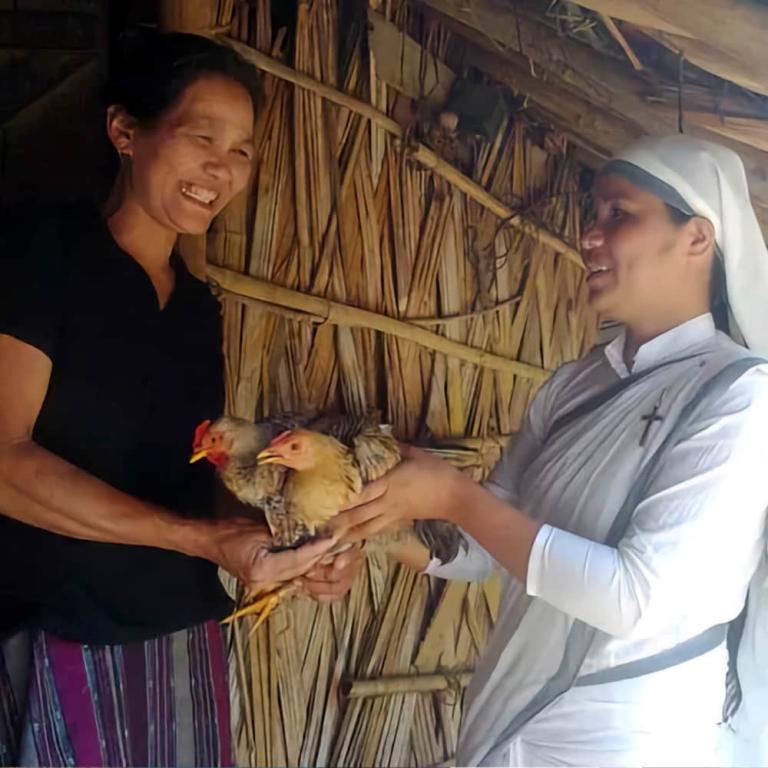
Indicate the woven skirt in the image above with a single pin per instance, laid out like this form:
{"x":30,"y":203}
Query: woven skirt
{"x":163,"y":702}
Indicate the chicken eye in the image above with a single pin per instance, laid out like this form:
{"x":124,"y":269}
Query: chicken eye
{"x":294,"y":446}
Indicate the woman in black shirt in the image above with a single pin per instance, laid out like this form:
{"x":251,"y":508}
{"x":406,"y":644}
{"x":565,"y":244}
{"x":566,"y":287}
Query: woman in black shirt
{"x":110,"y":355}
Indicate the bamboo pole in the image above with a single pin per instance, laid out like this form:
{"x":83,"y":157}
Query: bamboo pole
{"x":450,"y":319}
{"x":429,"y":159}
{"x":290,"y":314}
{"x":352,"y":317}
{"x":617,"y":35}
{"x":284,"y":72}
{"x":308,"y":317}
{"x":418,"y":152}
{"x":389,"y":686}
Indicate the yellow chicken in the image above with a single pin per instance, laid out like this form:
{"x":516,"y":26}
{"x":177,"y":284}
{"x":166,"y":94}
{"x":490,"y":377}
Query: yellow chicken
{"x":305,"y":476}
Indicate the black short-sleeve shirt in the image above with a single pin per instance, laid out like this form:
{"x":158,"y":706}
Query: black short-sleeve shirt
{"x":128,"y":386}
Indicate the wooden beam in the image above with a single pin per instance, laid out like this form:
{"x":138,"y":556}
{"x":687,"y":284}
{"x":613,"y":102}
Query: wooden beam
{"x":707,"y":57}
{"x":274,"y":67}
{"x":607,"y":84}
{"x":611,"y":86}
{"x":724,"y":37}
{"x":636,"y":12}
{"x":310,"y":319}
{"x":405,"y":65}
{"x":388,"y":686}
{"x":747,"y":129}
{"x":337,"y":313}
{"x":428,"y":159}
{"x":617,"y":35}
{"x":595,"y":129}
{"x":697,"y":97}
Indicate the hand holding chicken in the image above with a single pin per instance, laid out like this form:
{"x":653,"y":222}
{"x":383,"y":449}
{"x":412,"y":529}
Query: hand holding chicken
{"x":303,"y":477}
{"x":421,"y":489}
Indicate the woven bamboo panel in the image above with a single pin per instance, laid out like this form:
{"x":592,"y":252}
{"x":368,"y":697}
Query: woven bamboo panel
{"x":337,"y":209}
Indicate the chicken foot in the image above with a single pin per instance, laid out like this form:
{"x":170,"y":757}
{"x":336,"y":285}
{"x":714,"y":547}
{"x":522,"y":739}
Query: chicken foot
{"x":263,"y":605}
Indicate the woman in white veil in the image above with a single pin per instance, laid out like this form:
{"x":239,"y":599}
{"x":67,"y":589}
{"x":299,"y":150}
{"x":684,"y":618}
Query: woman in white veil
{"x":627,"y":516}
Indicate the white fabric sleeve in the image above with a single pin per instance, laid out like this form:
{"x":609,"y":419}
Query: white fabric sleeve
{"x":476,"y":564}
{"x":700,"y":529}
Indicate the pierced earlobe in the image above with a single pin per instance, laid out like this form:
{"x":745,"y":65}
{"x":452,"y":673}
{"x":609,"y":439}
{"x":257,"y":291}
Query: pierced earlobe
{"x":120,"y":128}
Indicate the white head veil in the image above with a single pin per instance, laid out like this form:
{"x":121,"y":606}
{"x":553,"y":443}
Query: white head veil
{"x":709,"y":180}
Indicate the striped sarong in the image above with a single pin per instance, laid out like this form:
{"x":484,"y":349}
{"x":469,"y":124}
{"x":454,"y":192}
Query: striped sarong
{"x":163,"y":702}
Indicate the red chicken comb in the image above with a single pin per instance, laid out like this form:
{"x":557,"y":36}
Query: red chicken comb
{"x":202,"y":428}
{"x":282,"y":437}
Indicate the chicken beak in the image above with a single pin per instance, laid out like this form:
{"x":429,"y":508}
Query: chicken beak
{"x":268,"y":456}
{"x":197,"y":455}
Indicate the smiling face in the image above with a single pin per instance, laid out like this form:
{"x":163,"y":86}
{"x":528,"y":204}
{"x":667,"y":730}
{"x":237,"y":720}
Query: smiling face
{"x":190,"y":162}
{"x":641,"y":265}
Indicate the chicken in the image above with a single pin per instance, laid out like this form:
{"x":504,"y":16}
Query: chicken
{"x":302,"y":477}
{"x":327,"y":475}
{"x":232,"y":445}
{"x":329,"y":470}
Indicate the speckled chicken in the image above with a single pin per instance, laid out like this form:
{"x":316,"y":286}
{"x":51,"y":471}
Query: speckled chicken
{"x":303,"y":476}
{"x":233,"y":446}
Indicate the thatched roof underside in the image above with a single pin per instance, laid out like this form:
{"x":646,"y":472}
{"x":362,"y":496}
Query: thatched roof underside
{"x":605,"y":71}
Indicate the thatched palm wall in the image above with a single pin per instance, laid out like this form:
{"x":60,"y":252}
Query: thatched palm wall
{"x":338,"y":210}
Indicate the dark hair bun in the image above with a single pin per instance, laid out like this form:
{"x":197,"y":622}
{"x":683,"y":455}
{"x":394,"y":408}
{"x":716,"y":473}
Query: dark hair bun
{"x":150,"y":70}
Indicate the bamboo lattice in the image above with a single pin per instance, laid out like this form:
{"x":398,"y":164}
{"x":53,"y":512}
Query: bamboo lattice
{"x":338,"y":209}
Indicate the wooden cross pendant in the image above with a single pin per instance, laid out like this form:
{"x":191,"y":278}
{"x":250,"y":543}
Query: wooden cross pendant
{"x":649,"y":420}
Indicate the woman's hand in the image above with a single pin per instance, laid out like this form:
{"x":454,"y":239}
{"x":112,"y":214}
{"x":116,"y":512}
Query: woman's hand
{"x":241,"y":547}
{"x":421,"y":487}
{"x":330,"y":581}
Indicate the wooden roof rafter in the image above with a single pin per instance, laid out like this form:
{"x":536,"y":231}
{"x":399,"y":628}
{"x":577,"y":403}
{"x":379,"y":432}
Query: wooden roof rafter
{"x":521,"y":50}
{"x":735,"y":50}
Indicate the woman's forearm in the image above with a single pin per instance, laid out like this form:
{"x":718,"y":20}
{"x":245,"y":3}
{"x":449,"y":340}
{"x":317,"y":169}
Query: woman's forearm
{"x":41,"y":489}
{"x":504,"y":531}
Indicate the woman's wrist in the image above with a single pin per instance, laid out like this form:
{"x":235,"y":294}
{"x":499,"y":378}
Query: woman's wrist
{"x":196,"y":538}
{"x":460,"y":496}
